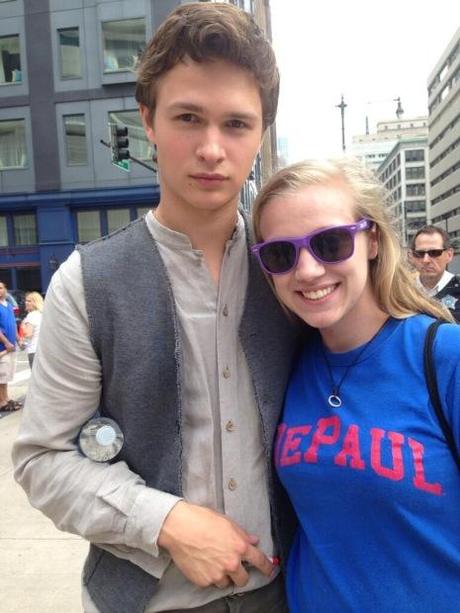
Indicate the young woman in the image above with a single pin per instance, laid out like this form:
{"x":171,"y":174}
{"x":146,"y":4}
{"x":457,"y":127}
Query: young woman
{"x":31,"y":324}
{"x":360,"y":450}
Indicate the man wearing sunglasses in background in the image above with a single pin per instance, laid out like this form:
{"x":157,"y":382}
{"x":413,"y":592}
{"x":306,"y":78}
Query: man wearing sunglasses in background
{"x":430,"y":254}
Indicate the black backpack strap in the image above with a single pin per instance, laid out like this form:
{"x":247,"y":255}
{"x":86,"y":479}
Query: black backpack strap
{"x":432,"y":384}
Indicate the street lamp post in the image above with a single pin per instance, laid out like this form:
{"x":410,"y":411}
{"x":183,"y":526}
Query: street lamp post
{"x":342,"y":107}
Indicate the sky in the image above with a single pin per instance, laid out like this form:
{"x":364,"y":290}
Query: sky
{"x":371,"y":52}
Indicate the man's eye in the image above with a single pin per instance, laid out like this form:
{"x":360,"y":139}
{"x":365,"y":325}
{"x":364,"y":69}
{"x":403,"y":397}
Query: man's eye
{"x":236,"y":123}
{"x":188,"y":118}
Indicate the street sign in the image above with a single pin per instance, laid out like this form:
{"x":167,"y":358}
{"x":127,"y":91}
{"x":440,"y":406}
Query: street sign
{"x":123,"y":164}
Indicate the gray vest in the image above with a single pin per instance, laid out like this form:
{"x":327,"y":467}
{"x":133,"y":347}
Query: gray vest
{"x":131,"y":313}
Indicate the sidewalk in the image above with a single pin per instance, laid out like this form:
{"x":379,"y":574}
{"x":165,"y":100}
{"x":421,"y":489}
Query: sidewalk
{"x":39,"y":565}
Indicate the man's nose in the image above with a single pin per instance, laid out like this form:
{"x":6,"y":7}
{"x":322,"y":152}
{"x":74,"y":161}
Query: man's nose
{"x":426,"y":257}
{"x":210,"y":148}
{"x":308,"y":267}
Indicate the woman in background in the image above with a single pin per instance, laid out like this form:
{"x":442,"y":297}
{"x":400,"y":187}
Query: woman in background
{"x":360,"y":450}
{"x":30,"y":326}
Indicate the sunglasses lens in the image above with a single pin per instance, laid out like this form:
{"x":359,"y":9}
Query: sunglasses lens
{"x":278,"y":257}
{"x":433,"y":253}
{"x":333,"y":245}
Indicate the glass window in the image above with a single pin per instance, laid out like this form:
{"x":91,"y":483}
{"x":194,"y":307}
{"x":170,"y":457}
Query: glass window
{"x":416,"y":155}
{"x":69,"y":53}
{"x":418,"y":172}
{"x":88,"y":225}
{"x":75,"y":139}
{"x":3,"y":232}
{"x":25,"y":229}
{"x":29,"y":278}
{"x":12,"y":144}
{"x":141,"y":211}
{"x":10,"y":60}
{"x":417,"y":189}
{"x":139,"y":146}
{"x":123,"y":42}
{"x":117,"y":218}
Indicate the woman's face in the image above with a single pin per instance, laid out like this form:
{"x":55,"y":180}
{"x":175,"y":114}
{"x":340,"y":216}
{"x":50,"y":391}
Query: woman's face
{"x":29,"y":304}
{"x":330,"y":297}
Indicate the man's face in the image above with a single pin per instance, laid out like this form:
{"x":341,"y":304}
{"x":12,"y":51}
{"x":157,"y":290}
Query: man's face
{"x":207,"y":127}
{"x":430,"y":268}
{"x":2,"y":291}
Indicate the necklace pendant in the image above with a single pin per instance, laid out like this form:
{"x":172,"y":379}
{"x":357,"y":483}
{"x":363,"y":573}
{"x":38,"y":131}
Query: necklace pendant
{"x":334,"y":401}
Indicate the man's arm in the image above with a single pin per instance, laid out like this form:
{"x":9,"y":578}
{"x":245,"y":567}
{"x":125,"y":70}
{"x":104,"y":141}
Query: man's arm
{"x":8,"y":346}
{"x":104,"y":503}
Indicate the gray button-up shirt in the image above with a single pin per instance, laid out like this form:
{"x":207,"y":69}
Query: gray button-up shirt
{"x":225,"y":467}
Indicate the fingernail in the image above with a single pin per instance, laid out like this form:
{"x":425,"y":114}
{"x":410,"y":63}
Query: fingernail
{"x":275,"y":560}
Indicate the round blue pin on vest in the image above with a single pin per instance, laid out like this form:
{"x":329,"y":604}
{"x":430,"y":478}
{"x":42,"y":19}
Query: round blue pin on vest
{"x":101,"y":439}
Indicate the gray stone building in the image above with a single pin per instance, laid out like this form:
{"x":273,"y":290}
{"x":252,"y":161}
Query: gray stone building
{"x":444,"y":142}
{"x":405,"y":173}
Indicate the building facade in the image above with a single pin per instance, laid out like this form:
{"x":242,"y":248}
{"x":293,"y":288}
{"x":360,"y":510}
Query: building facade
{"x":373,"y":148}
{"x":444,"y":142}
{"x":66,"y":76}
{"x":405,"y":174}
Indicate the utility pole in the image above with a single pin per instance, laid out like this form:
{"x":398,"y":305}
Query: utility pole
{"x":342,"y":106}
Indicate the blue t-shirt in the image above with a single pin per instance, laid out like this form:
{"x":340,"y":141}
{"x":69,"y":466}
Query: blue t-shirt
{"x":374,"y":484}
{"x":7,"y":323}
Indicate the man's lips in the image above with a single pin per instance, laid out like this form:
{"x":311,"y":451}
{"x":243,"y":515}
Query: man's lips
{"x":208,"y":177}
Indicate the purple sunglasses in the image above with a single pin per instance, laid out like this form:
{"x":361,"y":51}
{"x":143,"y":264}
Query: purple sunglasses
{"x":328,"y":246}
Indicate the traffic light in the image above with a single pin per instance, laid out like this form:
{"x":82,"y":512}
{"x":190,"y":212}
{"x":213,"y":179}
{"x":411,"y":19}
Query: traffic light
{"x":119,"y":143}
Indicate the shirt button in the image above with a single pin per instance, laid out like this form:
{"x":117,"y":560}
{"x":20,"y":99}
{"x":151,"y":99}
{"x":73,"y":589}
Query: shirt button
{"x":230,"y":426}
{"x":226,"y":372}
{"x":232,"y":485}
{"x":225,"y":311}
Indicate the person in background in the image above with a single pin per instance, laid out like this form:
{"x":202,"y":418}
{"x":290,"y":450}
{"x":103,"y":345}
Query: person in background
{"x":8,"y":340}
{"x":430,"y":254}
{"x":360,"y":450}
{"x":30,"y":326}
{"x":168,"y":328}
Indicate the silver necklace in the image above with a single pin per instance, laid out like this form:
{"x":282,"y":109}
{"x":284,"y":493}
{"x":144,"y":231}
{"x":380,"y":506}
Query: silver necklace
{"x":334,"y":400}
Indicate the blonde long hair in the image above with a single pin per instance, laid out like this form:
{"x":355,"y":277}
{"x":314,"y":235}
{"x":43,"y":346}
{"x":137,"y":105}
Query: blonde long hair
{"x":393,"y":284}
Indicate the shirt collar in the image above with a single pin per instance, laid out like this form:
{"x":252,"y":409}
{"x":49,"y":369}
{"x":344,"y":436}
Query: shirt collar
{"x":177,"y":240}
{"x":441,"y":284}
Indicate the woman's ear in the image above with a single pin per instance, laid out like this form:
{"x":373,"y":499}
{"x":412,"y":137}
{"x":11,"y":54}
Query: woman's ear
{"x":373,"y":242}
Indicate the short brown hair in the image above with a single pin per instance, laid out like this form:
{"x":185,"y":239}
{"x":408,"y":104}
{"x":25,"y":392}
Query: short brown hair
{"x":433,"y":230}
{"x":204,"y":32}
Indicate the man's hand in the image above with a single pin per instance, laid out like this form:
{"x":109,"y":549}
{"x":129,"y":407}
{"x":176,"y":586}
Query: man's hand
{"x":9,"y":346}
{"x":209,"y":548}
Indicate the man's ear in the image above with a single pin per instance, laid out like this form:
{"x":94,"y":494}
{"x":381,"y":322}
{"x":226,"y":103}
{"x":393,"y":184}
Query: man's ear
{"x":450,"y":254}
{"x":147,"y":121}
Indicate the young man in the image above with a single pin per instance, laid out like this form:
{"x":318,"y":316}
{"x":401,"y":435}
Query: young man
{"x":189,"y":515}
{"x":8,"y":337}
{"x":430,"y":254}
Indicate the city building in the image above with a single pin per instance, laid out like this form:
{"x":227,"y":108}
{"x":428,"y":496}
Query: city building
{"x":283,"y":151}
{"x":373,"y":148}
{"x":405,"y":174}
{"x":66,"y":77}
{"x":444,"y":142}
